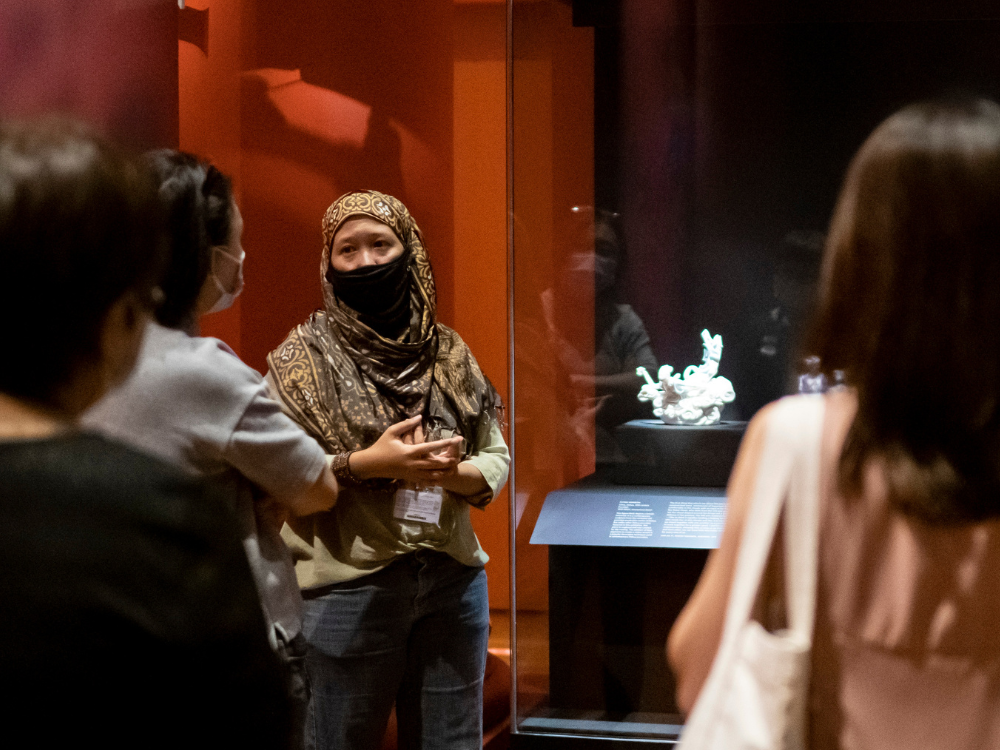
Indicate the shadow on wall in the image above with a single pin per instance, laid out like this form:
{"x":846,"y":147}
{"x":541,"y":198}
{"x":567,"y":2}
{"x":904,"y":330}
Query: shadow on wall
{"x":328,"y":110}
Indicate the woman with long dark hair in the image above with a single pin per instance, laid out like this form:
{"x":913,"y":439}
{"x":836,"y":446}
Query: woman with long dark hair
{"x":905,"y":652}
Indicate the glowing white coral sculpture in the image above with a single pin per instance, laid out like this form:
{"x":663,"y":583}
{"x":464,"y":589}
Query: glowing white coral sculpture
{"x":697,"y":396}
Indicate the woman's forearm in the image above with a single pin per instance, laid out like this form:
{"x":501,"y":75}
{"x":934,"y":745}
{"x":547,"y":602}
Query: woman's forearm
{"x":395,"y":456}
{"x":366,"y":464}
{"x":467,"y":480}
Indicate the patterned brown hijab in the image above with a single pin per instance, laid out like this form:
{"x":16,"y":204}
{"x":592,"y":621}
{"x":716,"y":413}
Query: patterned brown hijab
{"x":346,"y":384}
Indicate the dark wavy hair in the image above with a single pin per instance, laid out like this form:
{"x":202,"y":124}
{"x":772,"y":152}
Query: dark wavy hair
{"x":198,"y":201}
{"x":80,"y":227}
{"x":910,"y":309}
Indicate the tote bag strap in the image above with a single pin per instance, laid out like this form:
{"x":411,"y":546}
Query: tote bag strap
{"x":787,"y":477}
{"x":802,"y":509}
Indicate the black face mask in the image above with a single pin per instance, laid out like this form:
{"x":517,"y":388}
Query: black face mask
{"x":379,"y":293}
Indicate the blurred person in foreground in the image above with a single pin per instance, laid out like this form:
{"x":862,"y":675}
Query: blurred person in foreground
{"x":905,"y":651}
{"x":128,"y":612}
{"x":191,"y":401}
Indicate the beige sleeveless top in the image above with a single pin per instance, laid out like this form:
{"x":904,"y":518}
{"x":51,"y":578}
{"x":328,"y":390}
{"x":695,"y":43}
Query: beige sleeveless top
{"x":907,"y":645}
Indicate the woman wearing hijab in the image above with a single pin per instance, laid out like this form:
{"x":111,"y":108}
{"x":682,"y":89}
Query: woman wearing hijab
{"x":396,"y":600}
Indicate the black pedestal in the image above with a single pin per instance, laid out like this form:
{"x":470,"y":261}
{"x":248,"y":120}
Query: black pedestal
{"x":610,"y":610}
{"x":624,"y":557}
{"x":678,"y":455}
{"x":623,"y":561}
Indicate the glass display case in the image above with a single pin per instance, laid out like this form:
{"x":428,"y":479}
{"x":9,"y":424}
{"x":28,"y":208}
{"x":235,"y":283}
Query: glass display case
{"x":672,"y":168}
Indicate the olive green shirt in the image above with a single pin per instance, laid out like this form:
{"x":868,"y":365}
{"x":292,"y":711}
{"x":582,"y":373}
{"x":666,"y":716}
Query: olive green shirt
{"x":361,"y":535}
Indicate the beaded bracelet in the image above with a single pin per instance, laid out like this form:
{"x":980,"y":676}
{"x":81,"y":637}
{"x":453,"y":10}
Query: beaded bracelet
{"x":341,"y":466}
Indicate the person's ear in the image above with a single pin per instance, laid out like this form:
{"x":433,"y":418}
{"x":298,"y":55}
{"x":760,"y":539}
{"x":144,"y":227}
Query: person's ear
{"x":121,"y":339}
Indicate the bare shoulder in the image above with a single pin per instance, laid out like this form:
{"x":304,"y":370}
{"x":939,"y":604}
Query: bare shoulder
{"x":697,"y":632}
{"x":841,"y":406}
{"x":745,"y":468}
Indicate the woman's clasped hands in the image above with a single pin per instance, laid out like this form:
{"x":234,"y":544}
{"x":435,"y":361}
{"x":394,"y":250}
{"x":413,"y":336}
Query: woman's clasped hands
{"x":401,"y":452}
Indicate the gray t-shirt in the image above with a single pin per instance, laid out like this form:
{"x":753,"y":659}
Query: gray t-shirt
{"x":192,"y":402}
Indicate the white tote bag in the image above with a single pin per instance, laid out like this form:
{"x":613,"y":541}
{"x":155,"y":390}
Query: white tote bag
{"x":755,"y":694}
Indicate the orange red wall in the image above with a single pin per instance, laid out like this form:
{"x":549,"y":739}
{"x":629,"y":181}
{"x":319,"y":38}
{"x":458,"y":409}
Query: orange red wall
{"x":553,"y":171}
{"x":480,"y":255}
{"x":301,"y":102}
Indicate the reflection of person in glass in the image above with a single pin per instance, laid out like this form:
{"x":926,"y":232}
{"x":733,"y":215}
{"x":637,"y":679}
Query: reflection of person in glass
{"x":602,"y":385}
{"x":621,"y":343}
{"x":767,"y":370}
{"x":396,"y":599}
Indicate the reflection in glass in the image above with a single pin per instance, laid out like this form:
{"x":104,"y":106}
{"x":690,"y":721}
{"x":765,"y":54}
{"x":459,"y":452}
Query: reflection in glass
{"x":603,"y":382}
{"x":711,"y":137}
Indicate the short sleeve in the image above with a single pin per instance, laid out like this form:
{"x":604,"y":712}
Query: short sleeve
{"x":492,"y":458}
{"x":275,"y":393}
{"x":272,"y":451}
{"x":632,"y":341}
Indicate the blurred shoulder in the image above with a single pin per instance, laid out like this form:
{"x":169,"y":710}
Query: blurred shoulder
{"x":101,"y":473}
{"x":782,"y":411}
{"x":208,"y":356}
{"x":199,"y":374}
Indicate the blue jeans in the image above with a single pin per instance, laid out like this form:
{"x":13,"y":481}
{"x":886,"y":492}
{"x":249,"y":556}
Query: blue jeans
{"x":414,"y":633}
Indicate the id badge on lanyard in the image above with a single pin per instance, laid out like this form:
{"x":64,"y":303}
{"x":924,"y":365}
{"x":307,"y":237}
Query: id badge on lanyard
{"x":421,"y":504}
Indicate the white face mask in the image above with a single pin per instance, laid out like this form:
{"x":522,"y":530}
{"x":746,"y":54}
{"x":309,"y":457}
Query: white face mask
{"x":219,"y":255}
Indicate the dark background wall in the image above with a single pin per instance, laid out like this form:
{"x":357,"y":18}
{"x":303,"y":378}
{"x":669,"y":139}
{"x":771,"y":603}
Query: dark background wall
{"x":111,"y":64}
{"x":723,"y":125}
